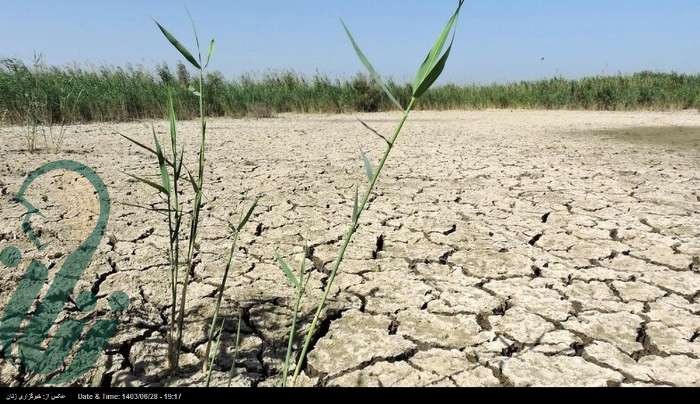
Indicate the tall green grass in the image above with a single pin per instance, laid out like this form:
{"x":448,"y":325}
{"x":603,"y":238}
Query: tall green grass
{"x":639,"y":91}
{"x":78,"y":94}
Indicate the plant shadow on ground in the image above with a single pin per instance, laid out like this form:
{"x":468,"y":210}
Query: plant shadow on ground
{"x":258,"y":359}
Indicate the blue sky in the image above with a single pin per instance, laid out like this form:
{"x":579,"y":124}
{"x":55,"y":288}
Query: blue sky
{"x":501,"y":40}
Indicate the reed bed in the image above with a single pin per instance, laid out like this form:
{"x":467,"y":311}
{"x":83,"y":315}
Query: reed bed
{"x":69,"y":94}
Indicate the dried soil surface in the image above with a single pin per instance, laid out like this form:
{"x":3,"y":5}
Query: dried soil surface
{"x":502,"y":248}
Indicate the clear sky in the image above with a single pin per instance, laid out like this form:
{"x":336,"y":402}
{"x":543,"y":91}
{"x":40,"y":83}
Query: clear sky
{"x":498,"y":40}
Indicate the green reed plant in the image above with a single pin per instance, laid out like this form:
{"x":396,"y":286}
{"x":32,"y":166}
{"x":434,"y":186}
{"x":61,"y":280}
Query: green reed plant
{"x":235,"y":230}
{"x":299,"y":282}
{"x":55,"y":131}
{"x":210,"y":360}
{"x":32,"y":99}
{"x":428,"y":72}
{"x":196,"y":209}
{"x":235,"y":348}
{"x":137,"y":93}
{"x":171,"y":175}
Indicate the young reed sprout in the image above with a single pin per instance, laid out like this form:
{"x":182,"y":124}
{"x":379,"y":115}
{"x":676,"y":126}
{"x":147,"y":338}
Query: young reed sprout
{"x":299,"y":283}
{"x":235,"y":230}
{"x":171,"y":174}
{"x":216,"y":349}
{"x":429,"y":71}
{"x":235,"y":348}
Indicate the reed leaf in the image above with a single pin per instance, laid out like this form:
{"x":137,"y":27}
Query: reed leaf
{"x":235,"y":349}
{"x":287,"y":270}
{"x":371,"y":129}
{"x":372,"y":72}
{"x":151,"y":184}
{"x":183,"y":51}
{"x":427,"y":69}
{"x":210,"y":52}
{"x":172,"y":119}
{"x":369,"y":170}
{"x":247,"y":215}
{"x":355,"y":207}
{"x":164,"y":176}
{"x":434,"y":73}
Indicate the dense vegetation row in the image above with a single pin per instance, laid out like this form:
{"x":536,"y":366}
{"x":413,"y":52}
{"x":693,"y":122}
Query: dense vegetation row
{"x":51,"y":94}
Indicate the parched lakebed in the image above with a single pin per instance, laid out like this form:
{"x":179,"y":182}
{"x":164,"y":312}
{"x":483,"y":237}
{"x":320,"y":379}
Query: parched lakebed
{"x":502,"y":248}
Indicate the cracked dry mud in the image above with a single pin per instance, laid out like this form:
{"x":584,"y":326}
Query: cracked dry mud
{"x":501,"y":249}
